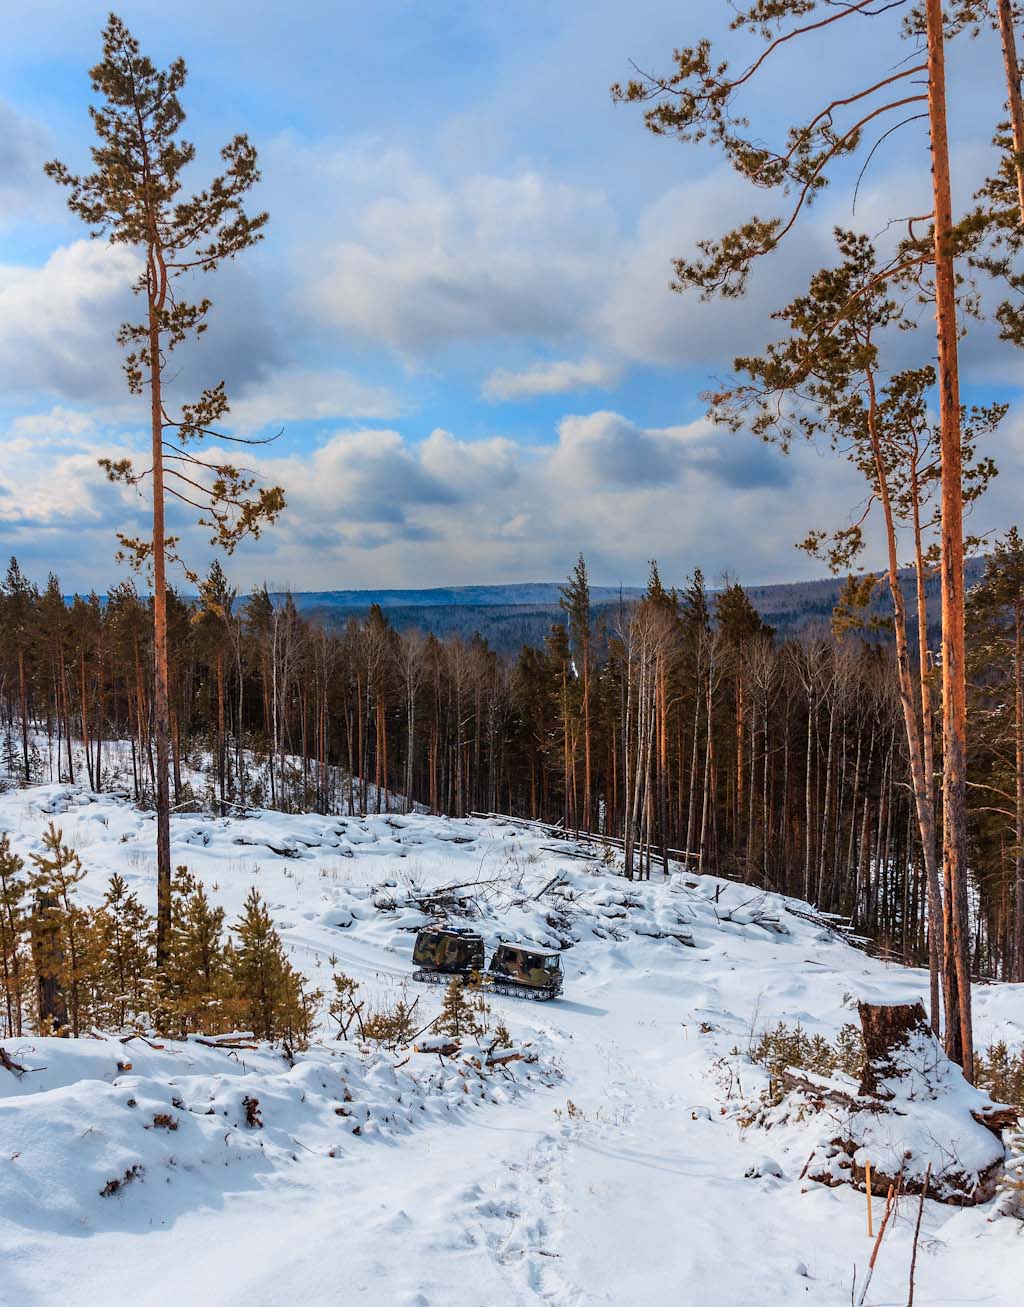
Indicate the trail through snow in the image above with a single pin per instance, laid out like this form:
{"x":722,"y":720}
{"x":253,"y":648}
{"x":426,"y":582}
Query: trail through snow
{"x":624,"y":1182}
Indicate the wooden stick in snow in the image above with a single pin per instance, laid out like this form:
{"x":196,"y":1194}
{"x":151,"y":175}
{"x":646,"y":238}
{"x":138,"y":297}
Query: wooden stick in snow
{"x":867,"y":1191}
{"x":889,"y":1205}
{"x":917,"y":1232}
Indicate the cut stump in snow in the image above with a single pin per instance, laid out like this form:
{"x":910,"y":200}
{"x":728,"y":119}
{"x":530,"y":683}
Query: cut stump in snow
{"x":915,"y":1119}
{"x":886,"y":1028}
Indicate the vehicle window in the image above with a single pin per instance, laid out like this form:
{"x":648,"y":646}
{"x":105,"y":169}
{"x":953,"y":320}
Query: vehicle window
{"x":553,"y":964}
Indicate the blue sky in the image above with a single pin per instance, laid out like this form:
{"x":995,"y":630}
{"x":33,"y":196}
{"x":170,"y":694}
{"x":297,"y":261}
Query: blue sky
{"x":460,"y":319}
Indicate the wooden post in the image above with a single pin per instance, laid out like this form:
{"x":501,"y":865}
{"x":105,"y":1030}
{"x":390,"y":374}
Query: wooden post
{"x":867,"y":1190}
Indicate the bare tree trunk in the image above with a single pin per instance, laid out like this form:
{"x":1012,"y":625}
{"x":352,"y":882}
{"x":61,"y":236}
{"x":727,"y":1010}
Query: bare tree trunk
{"x":708,"y":747}
{"x":84,"y":692}
{"x":23,"y":699}
{"x":934,"y":883}
{"x":920,"y":776}
{"x":808,"y":801}
{"x":1009,"y":42}
{"x":221,"y":733}
{"x":1017,"y":951}
{"x":161,"y":671}
{"x":691,"y":812}
{"x":588,"y":801}
{"x":959,"y":1033}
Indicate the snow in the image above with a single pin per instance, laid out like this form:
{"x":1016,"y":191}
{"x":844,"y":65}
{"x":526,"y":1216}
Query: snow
{"x":611,"y":1166}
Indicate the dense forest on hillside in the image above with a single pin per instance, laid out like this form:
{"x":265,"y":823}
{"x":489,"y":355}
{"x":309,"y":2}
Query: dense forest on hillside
{"x":508,"y":617}
{"x":682,"y":724}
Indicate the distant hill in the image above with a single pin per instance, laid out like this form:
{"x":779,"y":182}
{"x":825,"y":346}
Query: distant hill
{"x":524,"y":594}
{"x":509,"y":616}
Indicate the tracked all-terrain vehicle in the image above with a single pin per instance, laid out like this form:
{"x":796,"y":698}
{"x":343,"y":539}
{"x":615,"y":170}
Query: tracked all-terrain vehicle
{"x":519,"y":970}
{"x":525,"y":971}
{"x":441,"y":952}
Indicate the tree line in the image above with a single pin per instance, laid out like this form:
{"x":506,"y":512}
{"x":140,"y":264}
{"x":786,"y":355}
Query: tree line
{"x":672,"y":728}
{"x":678,"y":725}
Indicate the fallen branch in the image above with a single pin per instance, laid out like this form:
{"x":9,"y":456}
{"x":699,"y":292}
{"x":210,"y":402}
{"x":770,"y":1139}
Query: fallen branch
{"x":889,"y":1205}
{"x":443,"y":1049}
{"x":126,"y":1039}
{"x":791,"y":1080}
{"x":15,"y":1068}
{"x":499,"y":1059}
{"x":997,"y":1117}
{"x":218,"y":1043}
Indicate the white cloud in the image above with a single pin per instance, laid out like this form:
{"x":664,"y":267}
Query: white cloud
{"x":372,"y":507}
{"x":24,"y":144}
{"x":57,"y":321}
{"x":551,"y":379}
{"x":490,"y":258}
{"x":297,"y":394}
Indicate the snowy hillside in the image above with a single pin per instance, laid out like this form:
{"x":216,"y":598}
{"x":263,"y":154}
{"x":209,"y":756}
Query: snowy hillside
{"x":606,"y":1163}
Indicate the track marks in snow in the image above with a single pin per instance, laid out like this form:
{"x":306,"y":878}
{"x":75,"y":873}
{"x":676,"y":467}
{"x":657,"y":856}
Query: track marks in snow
{"x":521,"y":1222}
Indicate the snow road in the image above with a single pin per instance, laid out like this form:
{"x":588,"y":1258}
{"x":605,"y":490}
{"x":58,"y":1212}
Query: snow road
{"x":625,"y":1182}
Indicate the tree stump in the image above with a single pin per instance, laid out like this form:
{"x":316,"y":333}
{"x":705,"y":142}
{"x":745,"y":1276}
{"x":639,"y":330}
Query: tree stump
{"x":915,"y":1119}
{"x":887,"y":1028}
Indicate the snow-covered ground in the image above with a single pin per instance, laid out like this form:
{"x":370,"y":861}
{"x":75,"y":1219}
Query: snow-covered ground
{"x":608,"y":1168}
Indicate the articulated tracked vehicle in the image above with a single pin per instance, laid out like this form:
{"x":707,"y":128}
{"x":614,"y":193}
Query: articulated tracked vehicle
{"x":520,"y":970}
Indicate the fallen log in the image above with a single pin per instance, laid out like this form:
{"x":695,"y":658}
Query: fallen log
{"x":126,"y":1039}
{"x":996,"y":1117}
{"x":444,"y":1047}
{"x":220,"y":1043}
{"x":794,"y":1081}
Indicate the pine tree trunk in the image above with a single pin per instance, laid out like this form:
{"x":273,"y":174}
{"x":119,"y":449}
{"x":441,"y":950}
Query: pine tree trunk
{"x":1009,"y":42}
{"x":588,"y":802}
{"x":84,"y":691}
{"x":959,"y":1033}
{"x":921,"y":780}
{"x":1017,"y":951}
{"x":808,"y":801}
{"x":161,"y":669}
{"x":932,"y":877}
{"x":221,"y":734}
{"x":23,"y":699}
{"x":708,"y":748}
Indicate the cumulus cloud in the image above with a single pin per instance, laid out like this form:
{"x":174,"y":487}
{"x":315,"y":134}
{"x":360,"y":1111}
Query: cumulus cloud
{"x":57,"y":321}
{"x":23,"y":148}
{"x":368,"y":477}
{"x":371,"y":506}
{"x":604,"y":450}
{"x":298,"y":394}
{"x":551,"y":379}
{"x":494,"y":257}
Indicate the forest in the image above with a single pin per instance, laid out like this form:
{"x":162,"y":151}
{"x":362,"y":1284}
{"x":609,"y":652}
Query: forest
{"x":678,"y":724}
{"x":695,"y":894}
